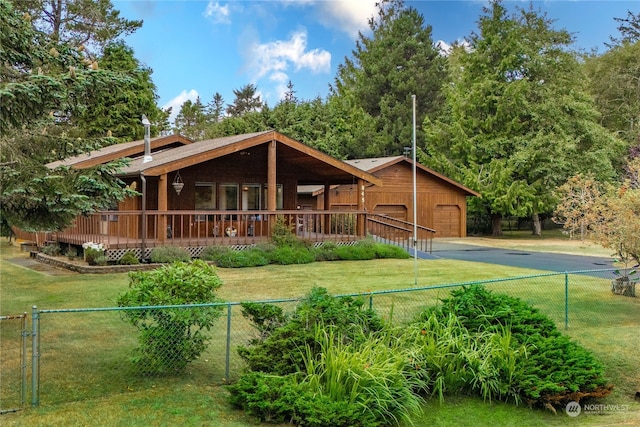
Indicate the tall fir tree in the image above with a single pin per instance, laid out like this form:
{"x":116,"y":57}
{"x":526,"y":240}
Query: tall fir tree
{"x":518,"y":117}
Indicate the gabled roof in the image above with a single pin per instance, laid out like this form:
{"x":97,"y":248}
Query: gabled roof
{"x":167,"y":156}
{"x":373,"y":165}
{"x":131,"y":149}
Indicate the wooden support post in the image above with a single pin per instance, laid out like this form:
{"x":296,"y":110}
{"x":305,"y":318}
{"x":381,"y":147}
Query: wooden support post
{"x":162,"y":207}
{"x":361,"y":220}
{"x":271,"y":178}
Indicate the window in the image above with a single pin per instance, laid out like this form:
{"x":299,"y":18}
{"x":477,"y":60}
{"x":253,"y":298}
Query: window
{"x":251,"y":197}
{"x":278,"y":196}
{"x":228,"y":197}
{"x":205,"y":195}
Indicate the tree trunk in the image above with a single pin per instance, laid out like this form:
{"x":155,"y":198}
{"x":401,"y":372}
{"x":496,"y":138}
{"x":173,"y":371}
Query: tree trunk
{"x":496,"y":225}
{"x":537,"y":226}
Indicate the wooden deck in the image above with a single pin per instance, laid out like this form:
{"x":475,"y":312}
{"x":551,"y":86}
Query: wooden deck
{"x":123,"y":231}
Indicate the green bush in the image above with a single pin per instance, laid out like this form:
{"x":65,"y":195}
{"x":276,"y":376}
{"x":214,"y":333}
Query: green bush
{"x":213,"y":253}
{"x":282,"y":233}
{"x":391,"y":251}
{"x":326,"y":252}
{"x":287,"y":255}
{"x":168,"y":254}
{"x":251,"y":257}
{"x":556,"y":369}
{"x":171,"y":338}
{"x":129,"y":258}
{"x":285,"y":399}
{"x":101,"y":260}
{"x":91,"y":255}
{"x":360,"y":251}
{"x":51,"y":250}
{"x":277,"y":349}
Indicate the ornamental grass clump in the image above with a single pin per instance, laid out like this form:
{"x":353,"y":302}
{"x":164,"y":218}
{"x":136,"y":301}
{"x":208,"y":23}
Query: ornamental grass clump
{"x":369,"y":375}
{"x":448,"y":359}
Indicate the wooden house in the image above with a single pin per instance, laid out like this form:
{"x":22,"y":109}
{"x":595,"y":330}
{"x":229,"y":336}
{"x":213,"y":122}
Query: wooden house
{"x":224,"y":191}
{"x":441,"y":201}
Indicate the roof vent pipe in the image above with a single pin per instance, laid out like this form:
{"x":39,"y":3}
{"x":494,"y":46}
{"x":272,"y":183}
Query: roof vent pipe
{"x":147,"y":142}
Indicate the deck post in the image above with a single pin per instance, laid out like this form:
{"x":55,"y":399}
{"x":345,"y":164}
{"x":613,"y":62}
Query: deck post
{"x":326,"y":223}
{"x":361,"y":220}
{"x":162,"y":207}
{"x":271,"y":178}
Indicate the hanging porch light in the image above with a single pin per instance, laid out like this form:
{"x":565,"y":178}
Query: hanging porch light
{"x":178,"y":184}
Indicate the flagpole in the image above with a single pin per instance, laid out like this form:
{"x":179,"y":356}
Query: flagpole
{"x":415,"y":199}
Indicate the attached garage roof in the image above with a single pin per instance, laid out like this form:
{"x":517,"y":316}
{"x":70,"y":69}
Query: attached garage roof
{"x":375,"y":164}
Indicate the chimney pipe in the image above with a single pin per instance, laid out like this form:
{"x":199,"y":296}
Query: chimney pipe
{"x":147,"y":142}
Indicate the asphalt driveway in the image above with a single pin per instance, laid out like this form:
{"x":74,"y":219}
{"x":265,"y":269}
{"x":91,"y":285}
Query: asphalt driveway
{"x":516,"y":258}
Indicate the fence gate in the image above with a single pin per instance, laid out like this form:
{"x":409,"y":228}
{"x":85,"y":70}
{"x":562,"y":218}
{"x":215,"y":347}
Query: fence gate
{"x":13,"y":362}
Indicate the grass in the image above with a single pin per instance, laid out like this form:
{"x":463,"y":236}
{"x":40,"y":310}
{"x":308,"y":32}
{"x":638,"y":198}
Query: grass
{"x":93,"y":346}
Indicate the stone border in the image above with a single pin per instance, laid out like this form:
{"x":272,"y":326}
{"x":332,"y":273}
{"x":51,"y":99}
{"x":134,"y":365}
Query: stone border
{"x":92,"y":269}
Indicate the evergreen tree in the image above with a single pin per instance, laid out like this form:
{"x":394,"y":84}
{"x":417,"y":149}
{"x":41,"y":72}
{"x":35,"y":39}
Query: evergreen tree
{"x":518,"y":118}
{"x":44,"y":87}
{"x":87,"y":23}
{"x":397,"y":61}
{"x":246,"y":100}
{"x":191,"y":120}
{"x":215,"y":109}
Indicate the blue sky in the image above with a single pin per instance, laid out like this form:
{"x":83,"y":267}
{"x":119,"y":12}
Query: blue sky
{"x":199,"y":47}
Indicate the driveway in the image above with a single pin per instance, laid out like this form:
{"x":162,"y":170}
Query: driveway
{"x":516,"y":258}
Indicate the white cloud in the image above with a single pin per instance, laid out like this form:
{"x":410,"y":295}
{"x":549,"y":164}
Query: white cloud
{"x":348,"y":16}
{"x":274,"y":59}
{"x":176,"y":103}
{"x":217,"y":13}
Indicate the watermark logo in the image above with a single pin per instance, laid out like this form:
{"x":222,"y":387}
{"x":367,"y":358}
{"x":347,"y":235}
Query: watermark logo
{"x":573,"y":409}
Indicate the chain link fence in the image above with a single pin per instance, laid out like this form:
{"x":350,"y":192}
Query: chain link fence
{"x":13,"y":362}
{"x":88,"y":353}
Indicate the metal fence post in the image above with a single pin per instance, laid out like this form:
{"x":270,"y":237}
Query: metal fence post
{"x":23,"y":360}
{"x":566,"y":300}
{"x":228,"y":349}
{"x":35,"y":356}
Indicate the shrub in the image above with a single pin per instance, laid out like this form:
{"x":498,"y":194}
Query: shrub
{"x":285,"y":399}
{"x":212,"y":253}
{"x":287,"y":255}
{"x":52,"y":250}
{"x":282,"y":233}
{"x":129,"y":258}
{"x":171,"y":338}
{"x":251,"y":257}
{"x":72,"y":253}
{"x":326,"y":252}
{"x":360,"y":251}
{"x":91,"y":255}
{"x":101,"y":260}
{"x":556,"y":369}
{"x":277,"y":349}
{"x":168,"y":254}
{"x":391,"y":251}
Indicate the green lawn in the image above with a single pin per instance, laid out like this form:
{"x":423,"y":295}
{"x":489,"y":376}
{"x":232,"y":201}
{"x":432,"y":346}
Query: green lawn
{"x":84,"y":383}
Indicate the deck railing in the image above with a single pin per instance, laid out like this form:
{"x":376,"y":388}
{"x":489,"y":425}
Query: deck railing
{"x":398,"y":232}
{"x":132,"y":229}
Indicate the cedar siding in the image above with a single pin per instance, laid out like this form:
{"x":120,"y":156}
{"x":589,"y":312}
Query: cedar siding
{"x":441,"y":202}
